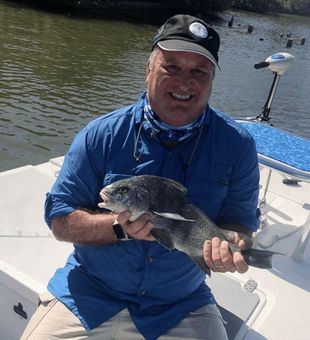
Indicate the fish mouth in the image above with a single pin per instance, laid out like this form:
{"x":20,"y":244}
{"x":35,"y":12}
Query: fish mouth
{"x":105,"y":199}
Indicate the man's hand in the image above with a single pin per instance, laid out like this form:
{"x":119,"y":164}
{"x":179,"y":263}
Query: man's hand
{"x":219,"y":258}
{"x":138,"y":229}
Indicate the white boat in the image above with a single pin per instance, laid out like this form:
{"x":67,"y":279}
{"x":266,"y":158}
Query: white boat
{"x":260,"y":304}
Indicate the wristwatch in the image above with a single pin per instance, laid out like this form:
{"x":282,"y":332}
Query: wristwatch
{"x":120,"y":233}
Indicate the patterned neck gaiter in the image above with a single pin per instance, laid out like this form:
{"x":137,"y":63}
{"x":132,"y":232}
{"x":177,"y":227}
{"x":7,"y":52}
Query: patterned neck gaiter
{"x":166,"y":132}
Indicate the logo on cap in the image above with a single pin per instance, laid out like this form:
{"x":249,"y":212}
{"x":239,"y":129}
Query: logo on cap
{"x":198,"y":29}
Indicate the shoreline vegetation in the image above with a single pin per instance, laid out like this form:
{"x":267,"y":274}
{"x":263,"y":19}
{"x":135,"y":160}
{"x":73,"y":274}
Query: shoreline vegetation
{"x":153,"y":10}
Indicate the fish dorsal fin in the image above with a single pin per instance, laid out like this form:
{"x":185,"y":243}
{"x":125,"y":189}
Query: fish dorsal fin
{"x":163,"y":237}
{"x":166,"y":181}
{"x":177,"y":185}
{"x":173,"y":216}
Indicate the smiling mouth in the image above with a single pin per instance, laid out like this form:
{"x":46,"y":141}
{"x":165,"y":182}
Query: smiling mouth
{"x":181,"y":97}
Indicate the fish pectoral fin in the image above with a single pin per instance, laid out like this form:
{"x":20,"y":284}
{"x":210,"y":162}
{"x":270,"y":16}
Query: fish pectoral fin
{"x":199,"y":260}
{"x":173,"y":216}
{"x":163,"y":238}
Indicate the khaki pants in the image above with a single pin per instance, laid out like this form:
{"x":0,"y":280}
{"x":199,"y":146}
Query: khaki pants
{"x":53,"y":320}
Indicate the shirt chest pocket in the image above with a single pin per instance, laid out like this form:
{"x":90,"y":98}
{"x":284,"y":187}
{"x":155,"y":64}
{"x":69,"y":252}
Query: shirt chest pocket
{"x":210,"y":192}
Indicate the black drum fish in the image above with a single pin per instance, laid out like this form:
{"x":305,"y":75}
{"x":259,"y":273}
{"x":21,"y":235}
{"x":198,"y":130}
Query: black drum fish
{"x":178,"y":224}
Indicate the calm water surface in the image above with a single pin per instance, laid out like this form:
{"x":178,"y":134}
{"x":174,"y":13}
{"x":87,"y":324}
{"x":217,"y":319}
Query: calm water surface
{"x":58,"y":72}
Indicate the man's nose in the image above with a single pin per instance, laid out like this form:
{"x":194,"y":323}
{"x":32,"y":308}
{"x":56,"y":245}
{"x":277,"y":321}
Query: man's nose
{"x":185,"y":80}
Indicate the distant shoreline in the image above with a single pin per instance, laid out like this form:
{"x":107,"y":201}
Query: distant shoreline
{"x":154,"y":11}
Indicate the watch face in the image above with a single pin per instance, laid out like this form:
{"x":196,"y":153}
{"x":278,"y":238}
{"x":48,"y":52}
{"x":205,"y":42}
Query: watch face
{"x":119,"y":232}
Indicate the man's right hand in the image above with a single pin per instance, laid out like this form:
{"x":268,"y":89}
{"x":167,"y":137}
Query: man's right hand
{"x":138,"y":229}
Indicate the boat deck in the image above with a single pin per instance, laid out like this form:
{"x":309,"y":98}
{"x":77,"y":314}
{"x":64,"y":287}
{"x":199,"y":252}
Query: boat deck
{"x":260,"y":304}
{"x":29,"y":254}
{"x":282,"y":293}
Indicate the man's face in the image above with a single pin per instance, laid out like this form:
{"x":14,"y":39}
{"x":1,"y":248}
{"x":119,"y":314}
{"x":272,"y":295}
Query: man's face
{"x":179,"y":85}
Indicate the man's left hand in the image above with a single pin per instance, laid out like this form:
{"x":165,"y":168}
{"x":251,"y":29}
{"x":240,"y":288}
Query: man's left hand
{"x":219,"y":258}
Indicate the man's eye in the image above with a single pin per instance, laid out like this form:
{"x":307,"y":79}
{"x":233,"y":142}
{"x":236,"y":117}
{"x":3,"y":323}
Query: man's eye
{"x":171,"y":68}
{"x":199,"y":72}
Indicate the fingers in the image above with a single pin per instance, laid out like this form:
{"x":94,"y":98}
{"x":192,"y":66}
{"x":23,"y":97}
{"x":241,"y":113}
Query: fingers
{"x":218,"y":250}
{"x":244,"y":241}
{"x":239,"y":262}
{"x":217,"y":255}
{"x":138,"y":229}
{"x":219,"y":258}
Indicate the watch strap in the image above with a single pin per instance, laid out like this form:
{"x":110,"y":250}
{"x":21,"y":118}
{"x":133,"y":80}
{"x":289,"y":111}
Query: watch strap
{"x":119,"y":232}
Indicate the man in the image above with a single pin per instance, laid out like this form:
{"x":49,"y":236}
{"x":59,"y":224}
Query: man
{"x":119,"y":283}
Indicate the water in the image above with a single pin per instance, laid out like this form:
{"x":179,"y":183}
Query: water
{"x":242,"y":90}
{"x":59,"y":72}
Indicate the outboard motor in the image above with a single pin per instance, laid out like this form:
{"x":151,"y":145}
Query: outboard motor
{"x":278,"y":63}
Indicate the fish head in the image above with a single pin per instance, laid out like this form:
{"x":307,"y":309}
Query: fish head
{"x":126,"y":194}
{"x":144,"y":194}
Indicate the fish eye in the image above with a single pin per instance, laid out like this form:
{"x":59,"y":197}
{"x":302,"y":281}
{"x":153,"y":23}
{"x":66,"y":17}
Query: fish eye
{"x":123,"y":190}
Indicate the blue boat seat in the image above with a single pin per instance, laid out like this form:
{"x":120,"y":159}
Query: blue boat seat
{"x":280,"y":150}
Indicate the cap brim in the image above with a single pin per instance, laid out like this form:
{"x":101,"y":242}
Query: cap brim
{"x":186,"y":46}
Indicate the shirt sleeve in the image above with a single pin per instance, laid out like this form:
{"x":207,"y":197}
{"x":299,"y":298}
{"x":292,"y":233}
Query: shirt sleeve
{"x":79,"y":181}
{"x":240,"y":205}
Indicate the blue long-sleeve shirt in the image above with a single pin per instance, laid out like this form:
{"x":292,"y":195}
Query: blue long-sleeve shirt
{"x":158,"y":286}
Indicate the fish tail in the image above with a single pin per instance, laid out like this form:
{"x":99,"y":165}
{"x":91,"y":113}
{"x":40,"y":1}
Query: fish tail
{"x":258,"y":258}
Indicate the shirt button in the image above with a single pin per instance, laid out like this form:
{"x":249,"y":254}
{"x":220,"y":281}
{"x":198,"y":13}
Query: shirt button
{"x":142,"y":292}
{"x":150,"y":259}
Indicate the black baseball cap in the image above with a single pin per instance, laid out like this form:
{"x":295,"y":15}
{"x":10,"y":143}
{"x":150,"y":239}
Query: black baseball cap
{"x":188,"y":34}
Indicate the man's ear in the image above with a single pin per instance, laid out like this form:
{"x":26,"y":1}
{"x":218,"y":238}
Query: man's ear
{"x":147,"y":71}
